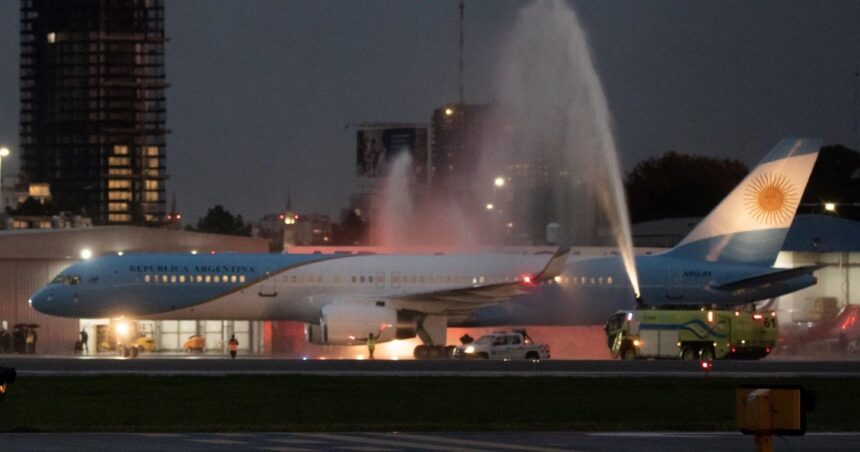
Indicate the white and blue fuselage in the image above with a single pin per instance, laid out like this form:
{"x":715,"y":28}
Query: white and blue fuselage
{"x":273,"y":286}
{"x":725,"y":260}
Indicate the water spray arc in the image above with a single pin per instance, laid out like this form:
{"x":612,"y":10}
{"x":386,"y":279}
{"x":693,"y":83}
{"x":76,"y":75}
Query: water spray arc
{"x":553,"y":123}
{"x":558,"y":117}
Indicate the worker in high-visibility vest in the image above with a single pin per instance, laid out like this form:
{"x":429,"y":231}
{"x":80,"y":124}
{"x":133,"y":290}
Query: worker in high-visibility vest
{"x":234,"y":346}
{"x":371,"y":343}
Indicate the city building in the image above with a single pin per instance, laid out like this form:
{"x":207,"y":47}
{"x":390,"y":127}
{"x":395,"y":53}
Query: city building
{"x":32,"y":208}
{"x":271,"y":228}
{"x":477,"y":153}
{"x":92,"y":120}
{"x":458,"y":131}
{"x":378,"y":148}
{"x":286,"y":229}
{"x":174,"y":217}
{"x":60,"y":221}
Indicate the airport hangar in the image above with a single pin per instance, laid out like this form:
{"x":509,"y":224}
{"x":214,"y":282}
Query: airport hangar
{"x":30,"y":258}
{"x":826,"y":240}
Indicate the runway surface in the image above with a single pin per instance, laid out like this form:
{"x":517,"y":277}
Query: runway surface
{"x":152,"y":365}
{"x":482,"y":441}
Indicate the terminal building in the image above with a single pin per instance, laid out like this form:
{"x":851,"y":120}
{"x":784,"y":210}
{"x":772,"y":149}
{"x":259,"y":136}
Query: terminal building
{"x":30,"y":258}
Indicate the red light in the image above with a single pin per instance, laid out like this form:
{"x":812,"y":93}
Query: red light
{"x":757,"y":316}
{"x":706,"y":365}
{"x":296,"y":217}
{"x":734,"y":350}
{"x":281,"y":216}
{"x":169,"y":218}
{"x":178,"y":216}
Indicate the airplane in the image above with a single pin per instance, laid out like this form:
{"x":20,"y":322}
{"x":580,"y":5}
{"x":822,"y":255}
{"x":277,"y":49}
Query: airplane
{"x":726,"y":260}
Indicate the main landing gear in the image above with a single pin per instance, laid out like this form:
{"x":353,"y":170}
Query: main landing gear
{"x":432,"y":332}
{"x":434,"y":351}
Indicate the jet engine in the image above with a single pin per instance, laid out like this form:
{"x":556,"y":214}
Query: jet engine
{"x":349,"y":324}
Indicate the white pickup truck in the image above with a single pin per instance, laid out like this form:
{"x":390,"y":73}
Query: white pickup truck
{"x":503,"y":345}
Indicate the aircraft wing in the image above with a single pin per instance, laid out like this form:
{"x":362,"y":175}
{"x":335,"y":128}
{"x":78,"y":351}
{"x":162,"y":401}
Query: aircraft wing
{"x":768,"y":278}
{"x":482,"y":294}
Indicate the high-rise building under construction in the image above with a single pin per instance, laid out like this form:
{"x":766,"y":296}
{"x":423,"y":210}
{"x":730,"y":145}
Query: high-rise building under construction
{"x":93,"y":107}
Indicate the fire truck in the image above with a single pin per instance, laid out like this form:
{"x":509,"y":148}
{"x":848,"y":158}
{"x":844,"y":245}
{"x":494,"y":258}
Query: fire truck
{"x":704,"y":334}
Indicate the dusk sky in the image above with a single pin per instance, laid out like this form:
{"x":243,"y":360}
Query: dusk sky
{"x":261,"y":92}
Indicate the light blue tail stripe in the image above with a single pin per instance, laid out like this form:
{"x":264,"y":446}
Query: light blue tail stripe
{"x":749,"y":248}
{"x":793,"y":147}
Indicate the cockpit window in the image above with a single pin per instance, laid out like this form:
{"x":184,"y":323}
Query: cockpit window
{"x":68,"y":280}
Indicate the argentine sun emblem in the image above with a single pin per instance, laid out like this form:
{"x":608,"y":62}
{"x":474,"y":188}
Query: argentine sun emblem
{"x":771,"y":199}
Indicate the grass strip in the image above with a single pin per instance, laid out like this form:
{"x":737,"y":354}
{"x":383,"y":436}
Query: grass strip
{"x":379,"y":403}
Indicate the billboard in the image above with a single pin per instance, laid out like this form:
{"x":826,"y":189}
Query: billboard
{"x":376,"y":148}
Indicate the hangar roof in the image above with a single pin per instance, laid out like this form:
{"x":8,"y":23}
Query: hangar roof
{"x":808,"y":232}
{"x":68,"y":243}
{"x":822,"y":234}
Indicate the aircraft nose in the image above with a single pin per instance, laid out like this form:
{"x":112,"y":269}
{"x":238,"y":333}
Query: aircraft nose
{"x":41,"y":300}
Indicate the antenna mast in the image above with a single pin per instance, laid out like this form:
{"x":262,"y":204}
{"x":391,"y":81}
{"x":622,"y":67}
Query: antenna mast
{"x":461,"y":52}
{"x":856,"y":142}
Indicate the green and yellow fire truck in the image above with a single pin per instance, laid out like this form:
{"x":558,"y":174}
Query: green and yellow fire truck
{"x":691,"y":334}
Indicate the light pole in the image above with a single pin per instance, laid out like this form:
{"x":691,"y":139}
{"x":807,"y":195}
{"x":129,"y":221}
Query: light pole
{"x":495,"y":218}
{"x":4,"y":152}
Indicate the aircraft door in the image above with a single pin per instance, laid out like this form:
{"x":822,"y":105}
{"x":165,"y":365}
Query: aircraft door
{"x":268,"y":286}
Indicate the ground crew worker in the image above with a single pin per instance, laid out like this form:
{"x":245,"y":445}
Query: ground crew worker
{"x":84,"y":339}
{"x":30,"y":341}
{"x":371,"y":343}
{"x":234,"y":346}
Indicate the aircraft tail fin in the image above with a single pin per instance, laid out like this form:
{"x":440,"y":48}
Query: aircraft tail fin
{"x":750,"y":224}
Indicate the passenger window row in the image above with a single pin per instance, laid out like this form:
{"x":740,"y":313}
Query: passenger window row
{"x":584,"y":280}
{"x":194,"y":279}
{"x":397,"y":279}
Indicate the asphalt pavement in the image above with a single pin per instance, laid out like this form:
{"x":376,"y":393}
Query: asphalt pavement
{"x":218,"y":365}
{"x":394,"y":441}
